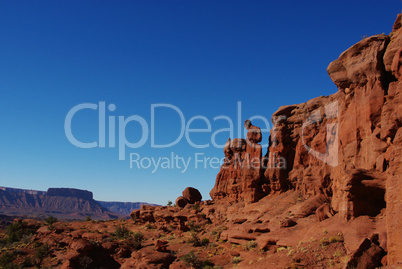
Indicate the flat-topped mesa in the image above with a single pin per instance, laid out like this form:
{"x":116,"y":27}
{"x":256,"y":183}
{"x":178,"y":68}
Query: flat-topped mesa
{"x":69,"y":192}
{"x":240,"y":176}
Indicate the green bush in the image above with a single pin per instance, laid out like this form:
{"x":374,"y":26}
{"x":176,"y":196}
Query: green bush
{"x":138,"y":237}
{"x":251,"y":245}
{"x":196,"y":207}
{"x":6,"y":260}
{"x":194,"y":227}
{"x":236,"y":259}
{"x":121,"y":232}
{"x":41,"y":253}
{"x":28,"y":262}
{"x":204,"y":241}
{"x":207,"y":263}
{"x":192,"y":260}
{"x":51,"y":220}
{"x":197,"y":242}
{"x":17,"y":230}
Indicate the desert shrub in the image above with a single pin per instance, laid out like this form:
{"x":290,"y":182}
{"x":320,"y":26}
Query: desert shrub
{"x":236,"y":259}
{"x":207,"y":264}
{"x":169,"y":203}
{"x":324,"y":242}
{"x":337,"y":253}
{"x":149,"y":226}
{"x":121,"y":232}
{"x":88,"y":218}
{"x":134,"y":241}
{"x":41,"y":253}
{"x":333,"y":239}
{"x":192,"y":260}
{"x":250,"y":245}
{"x":194,"y":227}
{"x":216,"y":232}
{"x":205,"y":242}
{"x":6,"y":260}
{"x":196,"y":207}
{"x":28,"y":262}
{"x":51,"y":220}
{"x":195,"y":240}
{"x":17,"y":230}
{"x":138,"y":238}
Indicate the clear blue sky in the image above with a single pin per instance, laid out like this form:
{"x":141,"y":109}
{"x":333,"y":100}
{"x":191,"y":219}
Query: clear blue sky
{"x":203,"y":57}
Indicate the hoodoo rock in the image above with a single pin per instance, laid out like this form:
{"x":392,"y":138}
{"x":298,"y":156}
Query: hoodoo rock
{"x":240,"y":177}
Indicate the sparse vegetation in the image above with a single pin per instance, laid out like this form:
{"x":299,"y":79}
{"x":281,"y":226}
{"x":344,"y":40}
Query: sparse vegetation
{"x":51,"y":220}
{"x":138,"y":238}
{"x":250,"y":245}
{"x":194,"y":227}
{"x":196,"y":241}
{"x":88,"y":218}
{"x":204,"y":241}
{"x":217,"y":232}
{"x":121,"y":232}
{"x":192,"y":260}
{"x":169,"y":203}
{"x":149,"y":226}
{"x":6,"y":260}
{"x":324,"y":242}
{"x":337,"y":253}
{"x":41,"y":253}
{"x":17,"y":231}
{"x":196,"y":207}
{"x":236,"y":259}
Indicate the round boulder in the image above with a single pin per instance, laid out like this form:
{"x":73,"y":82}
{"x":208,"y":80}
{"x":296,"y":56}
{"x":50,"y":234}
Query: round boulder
{"x":181,"y":201}
{"x":192,"y":195}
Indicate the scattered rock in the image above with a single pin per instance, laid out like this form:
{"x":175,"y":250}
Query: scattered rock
{"x":192,"y":195}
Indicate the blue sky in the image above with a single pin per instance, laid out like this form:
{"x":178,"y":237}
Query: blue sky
{"x":202,"y":57}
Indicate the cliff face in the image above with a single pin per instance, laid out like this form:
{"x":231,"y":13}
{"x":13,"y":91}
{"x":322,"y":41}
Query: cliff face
{"x":67,"y":192}
{"x":346,"y":147}
{"x":61,"y":203}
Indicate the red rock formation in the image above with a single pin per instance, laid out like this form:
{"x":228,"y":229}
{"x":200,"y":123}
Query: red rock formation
{"x":181,"y":201}
{"x":346,"y":147}
{"x":240,"y":175}
{"x":192,"y":195}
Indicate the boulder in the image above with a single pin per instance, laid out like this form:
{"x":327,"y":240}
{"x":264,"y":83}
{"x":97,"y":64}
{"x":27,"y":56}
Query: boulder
{"x":181,"y":201}
{"x":192,"y":195}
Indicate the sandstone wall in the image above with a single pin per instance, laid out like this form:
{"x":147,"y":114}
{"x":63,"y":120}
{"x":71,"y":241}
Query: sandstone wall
{"x":346,"y":146}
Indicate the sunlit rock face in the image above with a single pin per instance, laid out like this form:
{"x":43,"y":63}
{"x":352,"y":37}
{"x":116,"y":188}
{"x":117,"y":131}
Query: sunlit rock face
{"x":346,"y":146}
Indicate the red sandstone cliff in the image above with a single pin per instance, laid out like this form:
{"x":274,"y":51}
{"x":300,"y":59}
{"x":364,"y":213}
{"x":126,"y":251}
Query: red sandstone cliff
{"x":346,"y":147}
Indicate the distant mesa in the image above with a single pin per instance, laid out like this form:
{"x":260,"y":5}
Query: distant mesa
{"x":63,"y":203}
{"x":68,"y":192}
